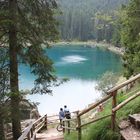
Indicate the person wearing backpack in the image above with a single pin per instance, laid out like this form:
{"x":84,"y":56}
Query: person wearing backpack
{"x":67,"y":112}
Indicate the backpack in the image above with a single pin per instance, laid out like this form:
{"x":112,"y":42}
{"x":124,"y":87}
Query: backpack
{"x":67,"y":115}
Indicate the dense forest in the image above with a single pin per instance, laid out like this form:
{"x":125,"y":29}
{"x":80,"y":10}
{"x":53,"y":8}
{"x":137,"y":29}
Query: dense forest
{"x":88,"y":19}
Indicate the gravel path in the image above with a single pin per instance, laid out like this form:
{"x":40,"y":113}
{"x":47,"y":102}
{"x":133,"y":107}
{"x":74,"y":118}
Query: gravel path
{"x":51,"y":134}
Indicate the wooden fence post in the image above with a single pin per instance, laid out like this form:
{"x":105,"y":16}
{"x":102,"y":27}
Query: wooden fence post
{"x":68,"y":127}
{"x":79,"y":125}
{"x":114,"y":103}
{"x":28,"y":136}
{"x":63,"y":123}
{"x":46,"y":122}
{"x":32,"y":132}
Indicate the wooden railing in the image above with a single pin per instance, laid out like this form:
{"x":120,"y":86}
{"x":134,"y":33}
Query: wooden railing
{"x":32,"y":129}
{"x":111,"y":94}
{"x":30,"y":132}
{"x":125,"y":102}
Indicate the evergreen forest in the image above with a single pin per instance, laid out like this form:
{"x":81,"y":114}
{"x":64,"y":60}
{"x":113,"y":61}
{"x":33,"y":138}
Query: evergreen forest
{"x":89,"y":19}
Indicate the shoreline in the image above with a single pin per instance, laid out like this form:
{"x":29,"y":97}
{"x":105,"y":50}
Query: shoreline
{"x":93,"y":44}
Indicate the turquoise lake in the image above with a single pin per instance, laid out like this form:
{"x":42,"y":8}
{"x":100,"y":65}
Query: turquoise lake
{"x":83,"y":65}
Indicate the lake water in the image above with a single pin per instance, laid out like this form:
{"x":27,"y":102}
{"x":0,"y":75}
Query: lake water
{"x":83,"y":66}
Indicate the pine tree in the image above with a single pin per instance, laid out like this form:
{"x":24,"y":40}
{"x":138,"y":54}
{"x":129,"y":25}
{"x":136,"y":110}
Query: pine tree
{"x":131,"y":38}
{"x":25,"y":26}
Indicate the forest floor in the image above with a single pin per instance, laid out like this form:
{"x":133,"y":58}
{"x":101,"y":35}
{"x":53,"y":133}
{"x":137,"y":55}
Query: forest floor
{"x":92,"y":44}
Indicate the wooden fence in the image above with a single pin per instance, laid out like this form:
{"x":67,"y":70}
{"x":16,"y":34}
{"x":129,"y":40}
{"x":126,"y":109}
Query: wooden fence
{"x":32,"y":129}
{"x":111,"y":94}
{"x":30,"y":132}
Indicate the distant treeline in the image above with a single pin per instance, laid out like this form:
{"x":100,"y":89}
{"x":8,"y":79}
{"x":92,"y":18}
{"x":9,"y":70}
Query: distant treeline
{"x":88,"y":19}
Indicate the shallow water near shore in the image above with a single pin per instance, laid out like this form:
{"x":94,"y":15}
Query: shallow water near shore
{"x":83,"y":66}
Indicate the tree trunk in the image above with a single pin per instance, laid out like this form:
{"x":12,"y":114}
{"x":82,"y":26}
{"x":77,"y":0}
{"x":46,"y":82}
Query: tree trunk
{"x":2,"y":135}
{"x":15,"y":96}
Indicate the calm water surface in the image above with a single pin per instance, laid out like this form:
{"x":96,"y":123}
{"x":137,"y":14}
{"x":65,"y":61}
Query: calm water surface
{"x":83,"y":66}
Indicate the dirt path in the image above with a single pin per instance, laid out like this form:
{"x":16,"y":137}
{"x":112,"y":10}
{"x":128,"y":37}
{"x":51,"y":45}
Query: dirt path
{"x":51,"y":134}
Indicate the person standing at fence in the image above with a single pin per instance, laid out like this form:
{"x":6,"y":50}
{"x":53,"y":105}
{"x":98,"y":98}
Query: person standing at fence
{"x":67,"y":116}
{"x":67,"y":112}
{"x":61,"y":115}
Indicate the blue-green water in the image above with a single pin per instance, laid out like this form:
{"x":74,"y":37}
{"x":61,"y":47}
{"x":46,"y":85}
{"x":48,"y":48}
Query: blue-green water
{"x":83,"y":62}
{"x":83,"y":66}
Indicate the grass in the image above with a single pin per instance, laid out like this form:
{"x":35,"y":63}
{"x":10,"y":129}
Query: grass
{"x":101,"y":130}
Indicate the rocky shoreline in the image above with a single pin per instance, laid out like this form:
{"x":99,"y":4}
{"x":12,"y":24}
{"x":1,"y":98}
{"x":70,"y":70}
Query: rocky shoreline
{"x":93,"y":44}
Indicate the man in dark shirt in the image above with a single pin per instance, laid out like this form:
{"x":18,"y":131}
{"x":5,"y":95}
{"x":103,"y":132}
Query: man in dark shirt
{"x":67,"y":112}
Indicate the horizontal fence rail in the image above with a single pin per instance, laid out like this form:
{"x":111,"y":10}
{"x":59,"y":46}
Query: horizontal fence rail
{"x":95,"y":120}
{"x":133,"y":79}
{"x":26,"y":132}
{"x":95,"y":105}
{"x":125,"y":102}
